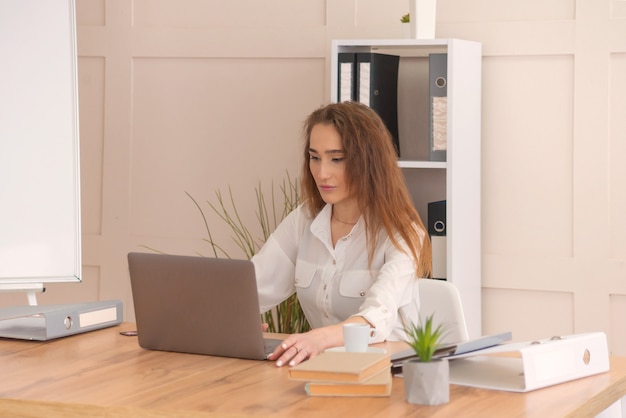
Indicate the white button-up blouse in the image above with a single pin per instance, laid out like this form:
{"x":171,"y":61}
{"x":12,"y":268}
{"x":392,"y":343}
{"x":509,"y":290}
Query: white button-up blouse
{"x":335,"y":283}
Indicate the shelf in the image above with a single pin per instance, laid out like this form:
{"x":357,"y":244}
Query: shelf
{"x":401,"y":47}
{"x":456,"y":180}
{"x":422,"y":164}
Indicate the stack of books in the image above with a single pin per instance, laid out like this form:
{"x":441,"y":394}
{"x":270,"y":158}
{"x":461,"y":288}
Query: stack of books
{"x":338,"y":373}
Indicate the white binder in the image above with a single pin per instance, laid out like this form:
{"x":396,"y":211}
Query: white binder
{"x":526,"y":366}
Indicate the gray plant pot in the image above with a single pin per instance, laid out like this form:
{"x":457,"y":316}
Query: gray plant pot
{"x":426,"y":383}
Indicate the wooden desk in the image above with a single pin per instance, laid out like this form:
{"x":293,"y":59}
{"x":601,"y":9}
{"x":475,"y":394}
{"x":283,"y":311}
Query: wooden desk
{"x":104,"y":374}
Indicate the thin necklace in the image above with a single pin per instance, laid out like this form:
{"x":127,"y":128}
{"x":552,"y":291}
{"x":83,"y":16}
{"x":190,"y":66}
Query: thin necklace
{"x":342,"y":222}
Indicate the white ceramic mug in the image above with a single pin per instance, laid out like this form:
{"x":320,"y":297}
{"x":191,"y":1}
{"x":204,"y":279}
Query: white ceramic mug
{"x":356,"y":337}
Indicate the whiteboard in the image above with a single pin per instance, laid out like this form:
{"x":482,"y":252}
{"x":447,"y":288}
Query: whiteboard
{"x":40,"y":238}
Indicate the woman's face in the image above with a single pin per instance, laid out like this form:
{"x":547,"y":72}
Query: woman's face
{"x":327,"y":163}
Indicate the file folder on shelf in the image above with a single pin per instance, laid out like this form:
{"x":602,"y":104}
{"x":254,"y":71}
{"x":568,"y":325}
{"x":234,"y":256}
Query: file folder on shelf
{"x":438,"y":109}
{"x":347,"y":77}
{"x":371,"y":79}
{"x":526,"y":366}
{"x":47,"y":322}
{"x":377,"y":87}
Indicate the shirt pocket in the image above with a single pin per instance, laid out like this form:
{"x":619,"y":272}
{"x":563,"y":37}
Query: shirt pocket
{"x":355,"y":284}
{"x":304,"y":274}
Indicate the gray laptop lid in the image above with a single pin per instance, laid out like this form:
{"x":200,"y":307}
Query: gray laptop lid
{"x":197,"y":305}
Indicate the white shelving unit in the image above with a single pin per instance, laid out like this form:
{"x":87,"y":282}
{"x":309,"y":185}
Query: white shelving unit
{"x":456,"y":180}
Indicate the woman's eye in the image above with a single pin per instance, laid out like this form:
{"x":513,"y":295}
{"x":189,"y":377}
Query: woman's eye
{"x":338,"y":159}
{"x":313,"y":157}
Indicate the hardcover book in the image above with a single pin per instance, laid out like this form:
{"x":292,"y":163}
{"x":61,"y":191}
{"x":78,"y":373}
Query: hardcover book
{"x":377,"y":385}
{"x":332,"y":366}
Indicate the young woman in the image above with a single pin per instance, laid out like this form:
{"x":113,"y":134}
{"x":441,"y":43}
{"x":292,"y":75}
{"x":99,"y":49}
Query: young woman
{"x":354,"y":250}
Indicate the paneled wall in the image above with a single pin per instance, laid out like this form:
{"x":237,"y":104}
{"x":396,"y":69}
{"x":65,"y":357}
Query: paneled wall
{"x":196,"y":96}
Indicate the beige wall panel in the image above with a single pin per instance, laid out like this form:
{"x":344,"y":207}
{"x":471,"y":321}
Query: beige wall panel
{"x":227,"y":44}
{"x":86,"y":291}
{"x":617,"y":38}
{"x":90,"y":12}
{"x":516,"y":37}
{"x":365,"y":19}
{"x":497,"y":10}
{"x":91,"y":111}
{"x":372,"y":13}
{"x":205,"y":124}
{"x":515,"y":271}
{"x":617,"y":157}
{"x":528,"y":314}
{"x":241,"y":13}
{"x":617,"y":336}
{"x":618,"y":9}
{"x":527,"y":155}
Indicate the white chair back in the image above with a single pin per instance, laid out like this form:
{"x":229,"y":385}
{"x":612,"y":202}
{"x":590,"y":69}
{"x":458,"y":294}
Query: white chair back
{"x":442,"y":299}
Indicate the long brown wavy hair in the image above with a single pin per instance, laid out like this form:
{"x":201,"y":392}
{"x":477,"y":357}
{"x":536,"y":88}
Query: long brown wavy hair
{"x":373,"y":177}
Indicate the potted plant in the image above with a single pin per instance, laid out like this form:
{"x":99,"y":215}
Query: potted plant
{"x":287,"y":317}
{"x":426,"y":379}
{"x":406,"y":26}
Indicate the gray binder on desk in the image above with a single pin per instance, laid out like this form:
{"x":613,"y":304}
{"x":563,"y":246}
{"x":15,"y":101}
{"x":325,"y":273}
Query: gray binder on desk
{"x":47,"y":322}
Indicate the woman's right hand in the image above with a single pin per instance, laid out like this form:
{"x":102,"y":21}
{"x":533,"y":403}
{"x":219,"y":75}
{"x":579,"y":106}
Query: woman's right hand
{"x":297,"y":348}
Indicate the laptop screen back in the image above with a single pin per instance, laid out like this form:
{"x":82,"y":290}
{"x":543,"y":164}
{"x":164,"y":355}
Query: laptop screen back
{"x":196,"y":305}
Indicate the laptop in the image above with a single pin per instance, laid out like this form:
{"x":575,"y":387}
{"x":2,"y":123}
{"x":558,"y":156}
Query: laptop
{"x":198,"y":305}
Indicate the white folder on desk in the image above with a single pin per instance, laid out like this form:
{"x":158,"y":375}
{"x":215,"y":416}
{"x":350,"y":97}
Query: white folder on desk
{"x":526,"y":366}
